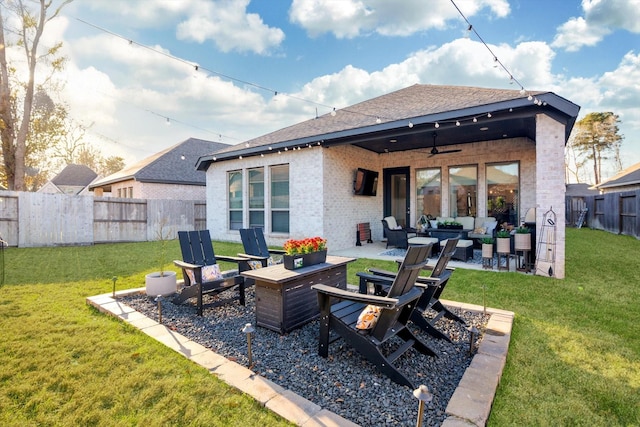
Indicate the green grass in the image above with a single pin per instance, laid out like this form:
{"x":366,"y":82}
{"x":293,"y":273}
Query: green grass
{"x":574,"y":357}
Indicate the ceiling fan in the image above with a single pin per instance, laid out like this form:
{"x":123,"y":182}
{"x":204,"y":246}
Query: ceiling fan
{"x":434,"y":149}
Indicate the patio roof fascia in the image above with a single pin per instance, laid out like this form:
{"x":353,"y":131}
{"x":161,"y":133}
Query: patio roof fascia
{"x":555,"y":106}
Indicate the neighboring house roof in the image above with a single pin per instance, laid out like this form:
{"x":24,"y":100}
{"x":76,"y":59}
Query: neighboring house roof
{"x":627,"y":177}
{"x":580,"y":190}
{"x":175,"y":165}
{"x":410,"y":117}
{"x":73,"y":179}
{"x":75,"y":175}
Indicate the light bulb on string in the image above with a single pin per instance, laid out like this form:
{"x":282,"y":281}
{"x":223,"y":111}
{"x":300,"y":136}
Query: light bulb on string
{"x":333,"y":112}
{"x":489,"y":115}
{"x":378,"y":121}
{"x":457,"y":123}
{"x":410,"y":125}
{"x":437,"y":125}
{"x":475,"y":120}
{"x":167,"y":122}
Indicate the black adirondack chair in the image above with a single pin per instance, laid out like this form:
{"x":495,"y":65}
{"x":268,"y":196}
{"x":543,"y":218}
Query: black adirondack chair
{"x":432,"y":286}
{"x":197,"y":254}
{"x":255,"y":247}
{"x":396,"y":305}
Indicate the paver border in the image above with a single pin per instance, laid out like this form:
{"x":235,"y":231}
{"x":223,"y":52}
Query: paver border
{"x":470,"y":404}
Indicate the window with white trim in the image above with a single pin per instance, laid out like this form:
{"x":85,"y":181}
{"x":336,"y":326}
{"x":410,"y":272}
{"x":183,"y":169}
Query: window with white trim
{"x":279,"y":198}
{"x":234,"y":180}
{"x":256,"y":197}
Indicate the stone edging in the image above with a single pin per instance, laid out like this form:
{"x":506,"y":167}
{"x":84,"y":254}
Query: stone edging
{"x":470,"y":404}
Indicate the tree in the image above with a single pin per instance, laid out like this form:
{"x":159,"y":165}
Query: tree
{"x":17,"y":98}
{"x":72,"y":148}
{"x":593,"y":138}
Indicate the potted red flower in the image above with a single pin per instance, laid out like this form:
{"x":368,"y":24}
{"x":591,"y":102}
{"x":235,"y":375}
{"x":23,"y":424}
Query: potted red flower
{"x":304,"y":252}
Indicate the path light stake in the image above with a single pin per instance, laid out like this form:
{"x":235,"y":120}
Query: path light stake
{"x":473,"y":332}
{"x":249,"y":329}
{"x":423,"y":395}
{"x":114,"y":278}
{"x":159,"y":301}
{"x":484,"y":302}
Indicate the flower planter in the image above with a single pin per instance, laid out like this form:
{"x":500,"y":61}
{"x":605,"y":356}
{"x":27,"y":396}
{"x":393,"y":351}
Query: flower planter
{"x":161,"y":285}
{"x":292,"y":262}
{"x":522,"y":241}
{"x":503,"y":245}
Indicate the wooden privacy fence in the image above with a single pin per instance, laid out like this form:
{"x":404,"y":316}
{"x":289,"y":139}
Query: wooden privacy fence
{"x":35,"y":219}
{"x":613,"y":212}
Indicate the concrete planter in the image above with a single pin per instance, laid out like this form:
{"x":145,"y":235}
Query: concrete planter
{"x":487,"y":250}
{"x":504,"y":245}
{"x":161,"y":285}
{"x":522,"y":241}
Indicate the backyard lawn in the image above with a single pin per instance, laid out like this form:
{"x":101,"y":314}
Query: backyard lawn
{"x":574,"y":357}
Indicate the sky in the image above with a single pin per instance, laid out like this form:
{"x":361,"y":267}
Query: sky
{"x":143,"y":75}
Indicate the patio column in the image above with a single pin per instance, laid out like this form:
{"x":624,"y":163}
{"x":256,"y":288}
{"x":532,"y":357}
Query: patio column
{"x":550,"y":187}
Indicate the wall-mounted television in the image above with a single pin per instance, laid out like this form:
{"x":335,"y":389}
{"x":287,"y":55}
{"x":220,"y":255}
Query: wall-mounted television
{"x":366,"y":183}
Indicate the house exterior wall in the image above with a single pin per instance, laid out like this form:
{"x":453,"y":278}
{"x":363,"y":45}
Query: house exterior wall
{"x":321,"y":187}
{"x":550,"y":192}
{"x":149,"y":190}
{"x":306,"y":194}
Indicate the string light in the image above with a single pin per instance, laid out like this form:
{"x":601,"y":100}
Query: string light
{"x":333,"y":111}
{"x":496,"y":61}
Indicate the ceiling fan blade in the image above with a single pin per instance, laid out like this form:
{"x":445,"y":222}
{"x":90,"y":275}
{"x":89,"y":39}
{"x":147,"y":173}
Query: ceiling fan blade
{"x":450,"y":151}
{"x":434,"y":149}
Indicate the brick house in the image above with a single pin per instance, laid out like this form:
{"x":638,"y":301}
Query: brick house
{"x":439,"y":150}
{"x":168,"y":174}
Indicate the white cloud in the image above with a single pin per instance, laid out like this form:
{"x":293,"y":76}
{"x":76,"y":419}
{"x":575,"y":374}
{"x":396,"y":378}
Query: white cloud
{"x":463,"y":61}
{"x":225,"y":22}
{"x":576,"y":33}
{"x":351,"y":18}
{"x":229,"y":25}
{"x":601,"y":18}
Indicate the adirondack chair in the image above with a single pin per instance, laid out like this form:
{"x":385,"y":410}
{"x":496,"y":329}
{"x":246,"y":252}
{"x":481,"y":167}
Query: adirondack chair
{"x":255,"y":247}
{"x":432,"y":286}
{"x":348,"y":317}
{"x":201,"y":272}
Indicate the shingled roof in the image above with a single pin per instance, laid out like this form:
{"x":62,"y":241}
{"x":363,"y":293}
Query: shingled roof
{"x":369,"y":124}
{"x":75,"y":175}
{"x":175,"y":165}
{"x":627,"y":177}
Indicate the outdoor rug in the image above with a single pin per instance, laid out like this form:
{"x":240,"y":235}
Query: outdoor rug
{"x":400,"y":253}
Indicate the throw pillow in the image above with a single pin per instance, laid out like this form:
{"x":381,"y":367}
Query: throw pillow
{"x":490,"y":226}
{"x":254,"y":265}
{"x":480,"y":230}
{"x":369,"y":317}
{"x":209,"y":274}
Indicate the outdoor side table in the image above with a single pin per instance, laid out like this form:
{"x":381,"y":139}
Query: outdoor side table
{"x":284,"y":298}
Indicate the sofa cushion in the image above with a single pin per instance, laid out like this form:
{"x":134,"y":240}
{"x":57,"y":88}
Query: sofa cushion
{"x":391,"y":223}
{"x":480,"y":221}
{"x":466,"y":221}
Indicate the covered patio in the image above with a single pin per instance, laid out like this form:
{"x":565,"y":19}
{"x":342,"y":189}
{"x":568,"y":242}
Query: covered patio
{"x":440,"y":135}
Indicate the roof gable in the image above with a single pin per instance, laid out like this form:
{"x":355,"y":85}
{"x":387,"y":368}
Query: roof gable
{"x":174,"y":165}
{"x":74,"y":175}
